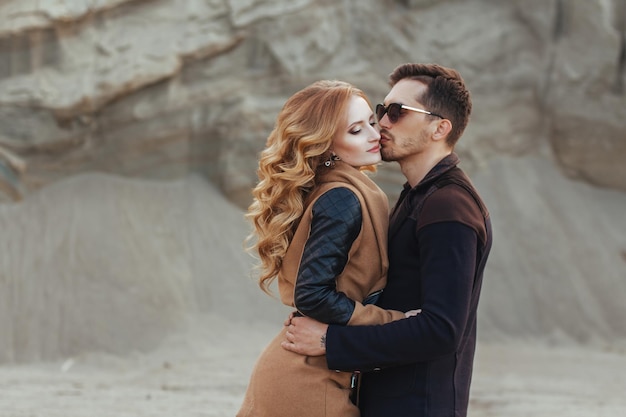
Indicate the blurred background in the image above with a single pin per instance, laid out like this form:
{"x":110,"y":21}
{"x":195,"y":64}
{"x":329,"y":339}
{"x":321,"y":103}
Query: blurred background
{"x":130,"y":130}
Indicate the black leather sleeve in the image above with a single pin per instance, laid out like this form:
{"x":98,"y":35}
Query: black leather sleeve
{"x":335,"y":225}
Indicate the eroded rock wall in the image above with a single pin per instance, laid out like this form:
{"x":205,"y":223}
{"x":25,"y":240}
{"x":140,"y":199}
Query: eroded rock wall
{"x":155,"y":92}
{"x":158,"y":88}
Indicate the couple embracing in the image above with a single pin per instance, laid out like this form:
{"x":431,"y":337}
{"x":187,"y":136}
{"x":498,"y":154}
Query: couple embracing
{"x":386,"y":302}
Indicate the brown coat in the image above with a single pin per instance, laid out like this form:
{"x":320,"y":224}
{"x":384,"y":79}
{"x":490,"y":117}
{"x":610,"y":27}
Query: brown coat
{"x":284,"y":384}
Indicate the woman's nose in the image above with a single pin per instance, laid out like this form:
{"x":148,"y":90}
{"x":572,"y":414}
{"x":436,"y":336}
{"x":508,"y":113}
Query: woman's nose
{"x":375,"y":133}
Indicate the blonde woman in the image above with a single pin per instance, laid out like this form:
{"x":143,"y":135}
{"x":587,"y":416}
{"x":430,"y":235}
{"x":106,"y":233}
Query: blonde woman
{"x":320,"y":230}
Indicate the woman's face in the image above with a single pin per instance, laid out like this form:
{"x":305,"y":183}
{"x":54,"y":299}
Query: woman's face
{"x":358,"y":144}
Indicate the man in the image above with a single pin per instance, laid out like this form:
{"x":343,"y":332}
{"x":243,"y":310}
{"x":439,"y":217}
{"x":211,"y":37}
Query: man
{"x":439,"y":241}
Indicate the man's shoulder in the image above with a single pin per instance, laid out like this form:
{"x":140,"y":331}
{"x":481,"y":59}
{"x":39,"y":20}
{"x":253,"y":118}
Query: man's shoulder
{"x":453,"y":202}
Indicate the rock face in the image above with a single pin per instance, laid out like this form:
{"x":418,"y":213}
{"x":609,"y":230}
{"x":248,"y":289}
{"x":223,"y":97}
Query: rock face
{"x":168,"y":89}
{"x":157,"y":89}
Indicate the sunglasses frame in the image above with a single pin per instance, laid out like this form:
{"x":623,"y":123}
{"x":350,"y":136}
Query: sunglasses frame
{"x":400,"y":106}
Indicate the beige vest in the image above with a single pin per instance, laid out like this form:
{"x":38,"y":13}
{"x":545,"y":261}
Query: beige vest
{"x":366,"y":269}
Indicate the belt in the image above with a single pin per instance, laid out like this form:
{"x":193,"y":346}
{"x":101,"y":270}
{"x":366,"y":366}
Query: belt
{"x":355,"y":385}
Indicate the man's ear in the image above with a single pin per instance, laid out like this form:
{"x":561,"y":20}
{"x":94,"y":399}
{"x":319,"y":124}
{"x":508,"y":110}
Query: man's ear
{"x":444,"y":126}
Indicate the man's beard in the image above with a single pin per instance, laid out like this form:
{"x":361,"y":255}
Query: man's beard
{"x":386,"y":156}
{"x":396,"y":150}
{"x":386,"y":153}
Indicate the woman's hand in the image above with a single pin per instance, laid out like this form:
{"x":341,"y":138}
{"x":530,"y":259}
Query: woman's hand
{"x":412,"y":313}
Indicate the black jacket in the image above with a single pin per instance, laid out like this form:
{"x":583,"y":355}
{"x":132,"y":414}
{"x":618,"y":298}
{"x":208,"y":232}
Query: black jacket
{"x":439,"y":241}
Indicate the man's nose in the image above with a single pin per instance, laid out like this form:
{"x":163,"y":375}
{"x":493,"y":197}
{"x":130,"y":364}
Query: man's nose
{"x":384,"y":122}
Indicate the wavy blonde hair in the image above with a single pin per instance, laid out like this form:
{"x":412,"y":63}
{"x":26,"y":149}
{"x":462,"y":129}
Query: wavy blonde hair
{"x":296,"y":148}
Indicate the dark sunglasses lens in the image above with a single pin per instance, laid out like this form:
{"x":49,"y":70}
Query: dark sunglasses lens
{"x":380,"y":111}
{"x":393,"y":112}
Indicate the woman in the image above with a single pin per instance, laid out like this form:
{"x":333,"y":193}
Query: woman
{"x":321,"y":232}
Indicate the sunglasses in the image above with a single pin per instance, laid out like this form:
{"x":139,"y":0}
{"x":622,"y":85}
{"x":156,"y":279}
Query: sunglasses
{"x":394,"y":111}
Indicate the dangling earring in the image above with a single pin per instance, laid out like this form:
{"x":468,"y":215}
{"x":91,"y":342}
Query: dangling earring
{"x":330,"y":162}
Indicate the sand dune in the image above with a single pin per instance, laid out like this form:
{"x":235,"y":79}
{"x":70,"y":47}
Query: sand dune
{"x":99,"y":262}
{"x":130,"y":297}
{"x":203,"y":371}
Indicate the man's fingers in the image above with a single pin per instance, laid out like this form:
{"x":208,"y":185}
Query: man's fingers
{"x":288,"y":346}
{"x":290,"y":339}
{"x":291,"y":316}
{"x":289,"y":336}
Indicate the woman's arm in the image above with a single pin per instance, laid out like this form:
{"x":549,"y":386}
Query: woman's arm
{"x":336,"y":223}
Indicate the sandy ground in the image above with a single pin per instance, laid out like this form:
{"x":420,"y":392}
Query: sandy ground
{"x":203,"y":371}
{"x":64,"y":294}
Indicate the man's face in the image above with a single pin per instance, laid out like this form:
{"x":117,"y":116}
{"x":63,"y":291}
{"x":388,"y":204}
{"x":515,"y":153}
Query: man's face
{"x":410,"y":134}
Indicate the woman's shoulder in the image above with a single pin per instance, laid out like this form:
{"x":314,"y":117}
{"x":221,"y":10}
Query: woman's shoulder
{"x":338,"y":202}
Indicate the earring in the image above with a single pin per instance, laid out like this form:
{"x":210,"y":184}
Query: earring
{"x":330,"y":162}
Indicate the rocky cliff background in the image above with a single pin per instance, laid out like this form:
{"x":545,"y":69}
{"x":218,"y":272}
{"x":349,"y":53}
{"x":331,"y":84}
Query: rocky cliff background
{"x":129,"y":134}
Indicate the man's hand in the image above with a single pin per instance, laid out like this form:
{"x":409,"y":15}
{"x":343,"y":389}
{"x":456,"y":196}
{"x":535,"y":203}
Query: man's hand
{"x":305,"y":336}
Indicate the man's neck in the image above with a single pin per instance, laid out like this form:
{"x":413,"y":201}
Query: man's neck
{"x":417,"y":166}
